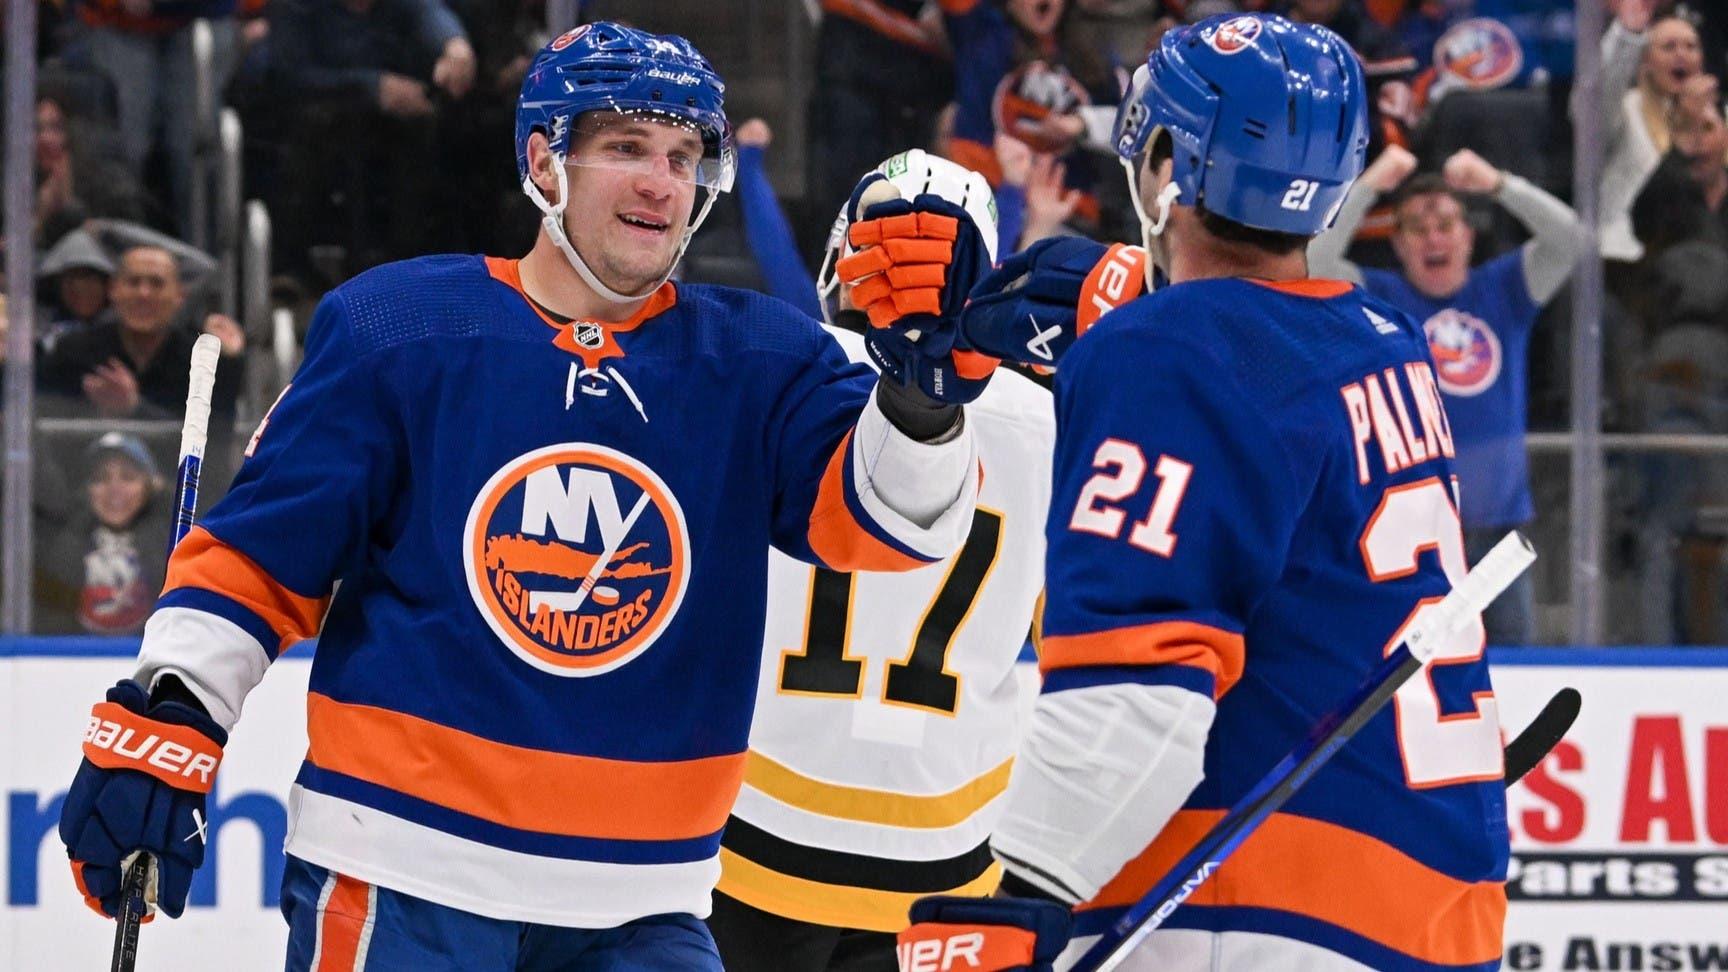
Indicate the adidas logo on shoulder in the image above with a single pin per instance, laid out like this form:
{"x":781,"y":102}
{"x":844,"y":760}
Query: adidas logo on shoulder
{"x":1381,"y":324}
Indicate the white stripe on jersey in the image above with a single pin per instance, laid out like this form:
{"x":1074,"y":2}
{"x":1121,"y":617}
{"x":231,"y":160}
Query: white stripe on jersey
{"x":361,"y":842}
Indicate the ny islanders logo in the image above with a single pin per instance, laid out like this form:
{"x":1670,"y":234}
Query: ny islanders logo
{"x":577,"y":557}
{"x":1481,"y":53}
{"x":1234,"y":35}
{"x":1466,"y":352}
{"x":567,"y":38}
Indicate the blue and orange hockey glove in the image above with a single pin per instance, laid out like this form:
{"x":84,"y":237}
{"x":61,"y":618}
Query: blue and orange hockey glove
{"x":983,"y":935}
{"x":147,"y":769}
{"x":1034,"y":306}
{"x":915,"y":262}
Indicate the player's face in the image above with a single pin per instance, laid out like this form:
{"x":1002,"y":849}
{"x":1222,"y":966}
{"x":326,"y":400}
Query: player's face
{"x":1433,"y":240}
{"x":632,"y":188}
{"x":1672,"y":56}
{"x":118,"y":491}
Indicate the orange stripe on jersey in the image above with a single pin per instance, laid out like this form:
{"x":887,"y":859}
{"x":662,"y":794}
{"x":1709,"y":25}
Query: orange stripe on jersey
{"x":1307,"y":287}
{"x":1164,"y":643}
{"x":510,"y":272}
{"x":201,"y":561}
{"x":529,"y":789}
{"x":837,"y":537}
{"x":343,"y":925}
{"x":1347,"y":879}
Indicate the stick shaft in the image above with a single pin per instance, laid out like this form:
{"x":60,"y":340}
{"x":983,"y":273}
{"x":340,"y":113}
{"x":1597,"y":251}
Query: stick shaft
{"x":194,"y":433}
{"x":1477,"y":590}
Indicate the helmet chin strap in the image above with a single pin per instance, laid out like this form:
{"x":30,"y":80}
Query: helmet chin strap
{"x":1150,"y":229}
{"x":552,"y":221}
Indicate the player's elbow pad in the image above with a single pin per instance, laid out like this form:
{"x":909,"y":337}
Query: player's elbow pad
{"x":1101,"y":770}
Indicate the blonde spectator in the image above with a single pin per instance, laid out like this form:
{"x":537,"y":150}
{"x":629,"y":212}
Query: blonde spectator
{"x":1647,"y":65}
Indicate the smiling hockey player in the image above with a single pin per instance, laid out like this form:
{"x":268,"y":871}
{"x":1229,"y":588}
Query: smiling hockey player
{"x":1252,"y":498}
{"x":545,"y":486}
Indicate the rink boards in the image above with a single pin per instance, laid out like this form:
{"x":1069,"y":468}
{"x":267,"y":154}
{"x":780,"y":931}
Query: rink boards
{"x":1620,"y":838}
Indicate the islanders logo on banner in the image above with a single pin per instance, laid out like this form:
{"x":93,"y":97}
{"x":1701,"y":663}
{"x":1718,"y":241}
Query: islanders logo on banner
{"x":1466,"y":352}
{"x":1028,"y":96}
{"x":577,"y":557}
{"x":1480,"y":54}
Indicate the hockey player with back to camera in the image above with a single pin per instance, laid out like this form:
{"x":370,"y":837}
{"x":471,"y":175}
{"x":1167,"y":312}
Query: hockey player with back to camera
{"x":545,"y":486}
{"x":1251,"y":500}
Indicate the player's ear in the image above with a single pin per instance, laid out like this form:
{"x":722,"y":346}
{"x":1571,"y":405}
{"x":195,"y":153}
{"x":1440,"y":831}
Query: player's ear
{"x":542,"y":164}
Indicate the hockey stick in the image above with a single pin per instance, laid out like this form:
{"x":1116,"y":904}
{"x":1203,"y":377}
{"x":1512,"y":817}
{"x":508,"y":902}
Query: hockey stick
{"x":1494,"y":574}
{"x":194,"y":430}
{"x":1542,"y":734}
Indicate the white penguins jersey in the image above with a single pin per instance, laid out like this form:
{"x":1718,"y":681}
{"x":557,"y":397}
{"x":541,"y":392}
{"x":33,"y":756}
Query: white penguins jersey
{"x":887,"y":714}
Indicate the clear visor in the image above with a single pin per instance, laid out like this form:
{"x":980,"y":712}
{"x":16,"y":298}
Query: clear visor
{"x":652,"y":145}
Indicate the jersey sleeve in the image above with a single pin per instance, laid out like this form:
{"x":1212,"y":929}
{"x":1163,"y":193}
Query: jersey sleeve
{"x":1173,"y":508}
{"x":852,"y":491}
{"x":256,"y":575}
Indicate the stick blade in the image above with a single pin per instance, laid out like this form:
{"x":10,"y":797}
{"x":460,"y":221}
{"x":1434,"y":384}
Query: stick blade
{"x":1542,"y":734}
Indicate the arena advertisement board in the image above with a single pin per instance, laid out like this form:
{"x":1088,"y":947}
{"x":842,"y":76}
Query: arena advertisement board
{"x":231,"y":921}
{"x":1620,"y":837}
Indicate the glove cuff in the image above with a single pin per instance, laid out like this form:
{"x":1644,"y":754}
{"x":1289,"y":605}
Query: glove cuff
{"x":175,"y":744}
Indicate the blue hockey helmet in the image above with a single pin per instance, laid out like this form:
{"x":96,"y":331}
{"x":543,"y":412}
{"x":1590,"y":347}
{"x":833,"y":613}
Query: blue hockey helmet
{"x":1268,"y":120}
{"x":609,"y":67}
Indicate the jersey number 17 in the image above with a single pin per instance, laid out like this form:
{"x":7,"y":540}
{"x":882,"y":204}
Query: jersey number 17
{"x":921,"y":679}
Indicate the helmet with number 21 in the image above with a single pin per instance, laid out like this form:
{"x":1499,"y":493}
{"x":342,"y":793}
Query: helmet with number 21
{"x":1267,"y":120}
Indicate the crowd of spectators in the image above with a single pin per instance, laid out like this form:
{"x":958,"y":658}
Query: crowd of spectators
{"x":379,"y":129}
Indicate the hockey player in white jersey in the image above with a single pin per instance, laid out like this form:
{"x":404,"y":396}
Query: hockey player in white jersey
{"x":888,"y":707}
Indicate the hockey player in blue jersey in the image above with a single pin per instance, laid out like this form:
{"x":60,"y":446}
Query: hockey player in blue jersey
{"x":545,"y":487}
{"x":1253,"y":496}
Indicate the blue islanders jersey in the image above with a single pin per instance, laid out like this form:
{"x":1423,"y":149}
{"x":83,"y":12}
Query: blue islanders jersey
{"x":1480,"y":340}
{"x":532,"y":690}
{"x":1253,"y":496}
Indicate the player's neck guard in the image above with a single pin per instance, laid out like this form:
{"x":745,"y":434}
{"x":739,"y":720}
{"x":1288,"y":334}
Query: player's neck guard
{"x":552,"y":221}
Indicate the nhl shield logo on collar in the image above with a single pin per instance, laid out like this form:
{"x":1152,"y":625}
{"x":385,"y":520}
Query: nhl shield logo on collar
{"x":588,"y":334}
{"x":577,"y":556}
